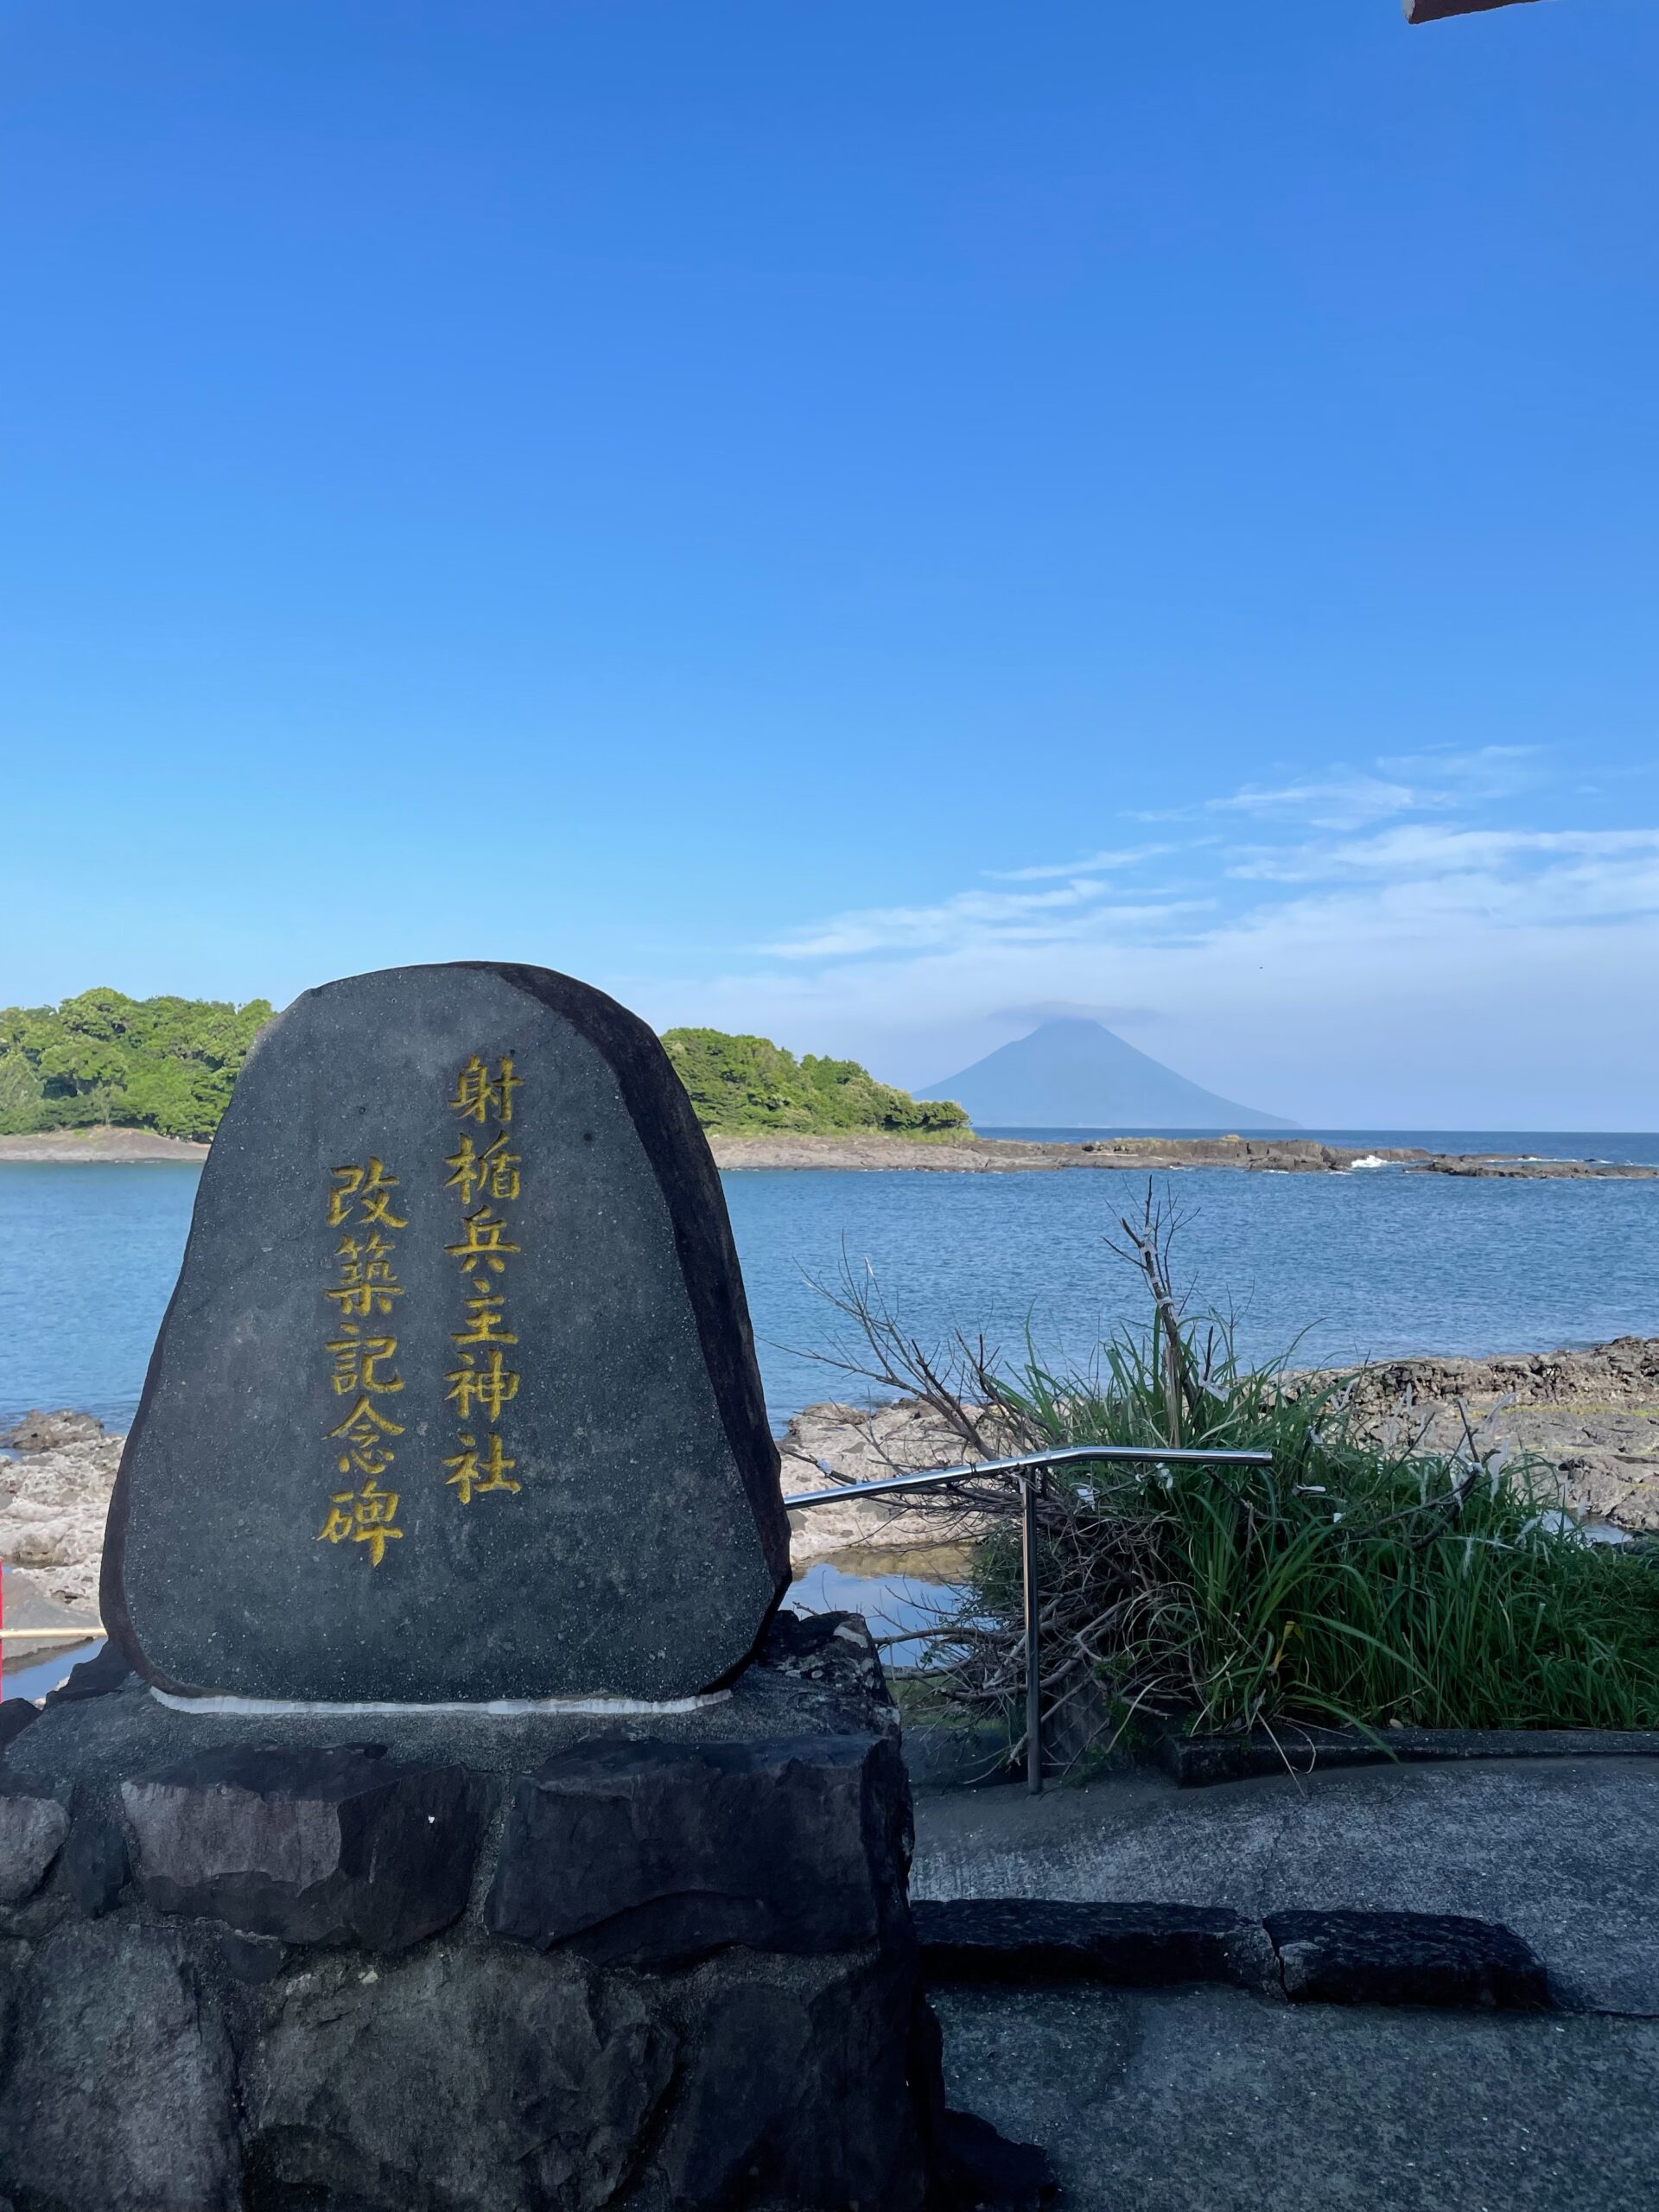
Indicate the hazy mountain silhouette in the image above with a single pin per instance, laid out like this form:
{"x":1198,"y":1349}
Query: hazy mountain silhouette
{"x":1071,"y":1074}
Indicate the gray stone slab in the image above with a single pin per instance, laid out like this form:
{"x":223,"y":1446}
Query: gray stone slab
{"x":456,"y":1396}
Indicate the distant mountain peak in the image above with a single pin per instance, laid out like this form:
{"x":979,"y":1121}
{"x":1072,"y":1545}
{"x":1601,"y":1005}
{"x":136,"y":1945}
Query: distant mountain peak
{"x":1072,"y":1073}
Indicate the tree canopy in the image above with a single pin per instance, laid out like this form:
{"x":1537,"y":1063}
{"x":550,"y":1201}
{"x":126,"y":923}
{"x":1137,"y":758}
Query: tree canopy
{"x":168,"y":1065}
{"x":743,"y":1085}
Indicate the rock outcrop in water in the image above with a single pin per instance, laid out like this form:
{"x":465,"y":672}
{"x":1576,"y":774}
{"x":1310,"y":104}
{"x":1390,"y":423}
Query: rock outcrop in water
{"x":54,"y":1495}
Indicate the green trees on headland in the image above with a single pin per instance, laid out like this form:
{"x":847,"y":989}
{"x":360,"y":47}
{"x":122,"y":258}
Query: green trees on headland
{"x":168,"y":1064}
{"x":746,"y":1085}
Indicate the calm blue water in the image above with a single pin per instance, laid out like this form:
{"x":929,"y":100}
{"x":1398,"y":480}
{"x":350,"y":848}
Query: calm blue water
{"x":1372,"y":1264}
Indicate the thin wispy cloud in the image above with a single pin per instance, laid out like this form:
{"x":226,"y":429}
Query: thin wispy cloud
{"x":1109,"y":862}
{"x":1371,"y":929}
{"x":982,"y":917}
{"x":1345,"y":798}
{"x":1619,"y":864}
{"x":1487,"y":771}
{"x":1341,"y":802}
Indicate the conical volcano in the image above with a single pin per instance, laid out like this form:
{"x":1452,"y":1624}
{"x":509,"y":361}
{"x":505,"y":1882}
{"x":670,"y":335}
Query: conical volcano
{"x":1075,"y":1074}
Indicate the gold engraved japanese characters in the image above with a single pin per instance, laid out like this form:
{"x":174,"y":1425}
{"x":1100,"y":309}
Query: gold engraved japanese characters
{"x":484,"y":1173}
{"x":363,"y":1359}
{"x":491,"y":1173}
{"x":366,"y":1517}
{"x":472,"y":1476}
{"x":480,"y":1096}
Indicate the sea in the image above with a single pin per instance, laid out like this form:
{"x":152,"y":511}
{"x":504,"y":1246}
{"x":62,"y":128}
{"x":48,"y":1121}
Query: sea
{"x":1373,"y":1263}
{"x":1329,"y":1267}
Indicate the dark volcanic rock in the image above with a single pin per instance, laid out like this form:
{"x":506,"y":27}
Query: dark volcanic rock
{"x":1041,"y":1940}
{"x":796,"y":2091}
{"x":96,"y":1865}
{"x":978,"y":2167}
{"x":492,"y":2081}
{"x":95,"y":1677}
{"x":1407,"y":1957}
{"x":972,"y":2167}
{"x":260,"y":2050}
{"x":651,"y":1853}
{"x":43,"y":1432}
{"x":456,"y":1397}
{"x":118,"y":2094}
{"x":314,"y":1846}
{"x":17,"y":1713}
{"x":251,"y":1959}
{"x":32,"y":1830}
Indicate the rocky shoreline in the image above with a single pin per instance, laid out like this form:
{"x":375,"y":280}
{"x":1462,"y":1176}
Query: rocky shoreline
{"x":1592,"y":1415}
{"x":1266,"y":1155}
{"x":71,"y":1147}
{"x":1262,"y":1155}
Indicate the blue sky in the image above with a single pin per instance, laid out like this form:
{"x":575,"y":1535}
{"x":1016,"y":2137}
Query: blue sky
{"x":856,"y":521}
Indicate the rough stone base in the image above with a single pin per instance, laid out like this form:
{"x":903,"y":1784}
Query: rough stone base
{"x":459,"y":1964}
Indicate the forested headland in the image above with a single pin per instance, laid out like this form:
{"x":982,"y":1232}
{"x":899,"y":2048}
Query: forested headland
{"x":746,"y":1085}
{"x":168,"y":1064}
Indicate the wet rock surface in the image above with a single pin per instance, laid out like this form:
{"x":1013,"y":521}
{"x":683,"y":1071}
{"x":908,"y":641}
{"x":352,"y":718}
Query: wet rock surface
{"x":1282,"y":1155}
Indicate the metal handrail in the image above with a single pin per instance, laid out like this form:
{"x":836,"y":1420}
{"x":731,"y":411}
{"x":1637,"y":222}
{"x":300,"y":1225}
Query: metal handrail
{"x":1023,"y":1468}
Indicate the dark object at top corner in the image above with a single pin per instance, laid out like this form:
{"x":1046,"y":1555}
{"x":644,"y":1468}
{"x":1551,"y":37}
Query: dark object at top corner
{"x":1434,"y":11}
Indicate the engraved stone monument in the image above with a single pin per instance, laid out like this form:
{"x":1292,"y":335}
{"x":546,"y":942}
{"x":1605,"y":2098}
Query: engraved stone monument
{"x":457,"y":1398}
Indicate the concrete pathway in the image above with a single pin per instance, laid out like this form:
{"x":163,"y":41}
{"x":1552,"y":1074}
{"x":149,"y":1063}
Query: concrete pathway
{"x":1211,"y":2100}
{"x":1564,"y":1852}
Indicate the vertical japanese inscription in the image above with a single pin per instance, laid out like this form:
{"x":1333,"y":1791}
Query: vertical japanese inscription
{"x":483,"y":1175}
{"x":363,"y":1355}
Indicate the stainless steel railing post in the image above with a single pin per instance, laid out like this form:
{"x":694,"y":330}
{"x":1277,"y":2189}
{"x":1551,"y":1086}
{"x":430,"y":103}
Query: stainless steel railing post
{"x":1033,"y":1633}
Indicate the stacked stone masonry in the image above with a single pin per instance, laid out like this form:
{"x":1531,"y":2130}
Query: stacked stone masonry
{"x":463,"y":1963}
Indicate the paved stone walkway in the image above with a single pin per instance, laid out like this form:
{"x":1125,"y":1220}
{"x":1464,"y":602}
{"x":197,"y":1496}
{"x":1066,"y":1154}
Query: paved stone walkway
{"x":1211,"y":2100}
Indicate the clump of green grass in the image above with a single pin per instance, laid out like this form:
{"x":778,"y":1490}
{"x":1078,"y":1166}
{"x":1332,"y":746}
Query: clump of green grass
{"x":1356,"y":1579}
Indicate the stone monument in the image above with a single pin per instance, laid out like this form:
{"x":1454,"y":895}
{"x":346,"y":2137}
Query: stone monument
{"x":454,"y":1822}
{"x":456,"y":1400}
